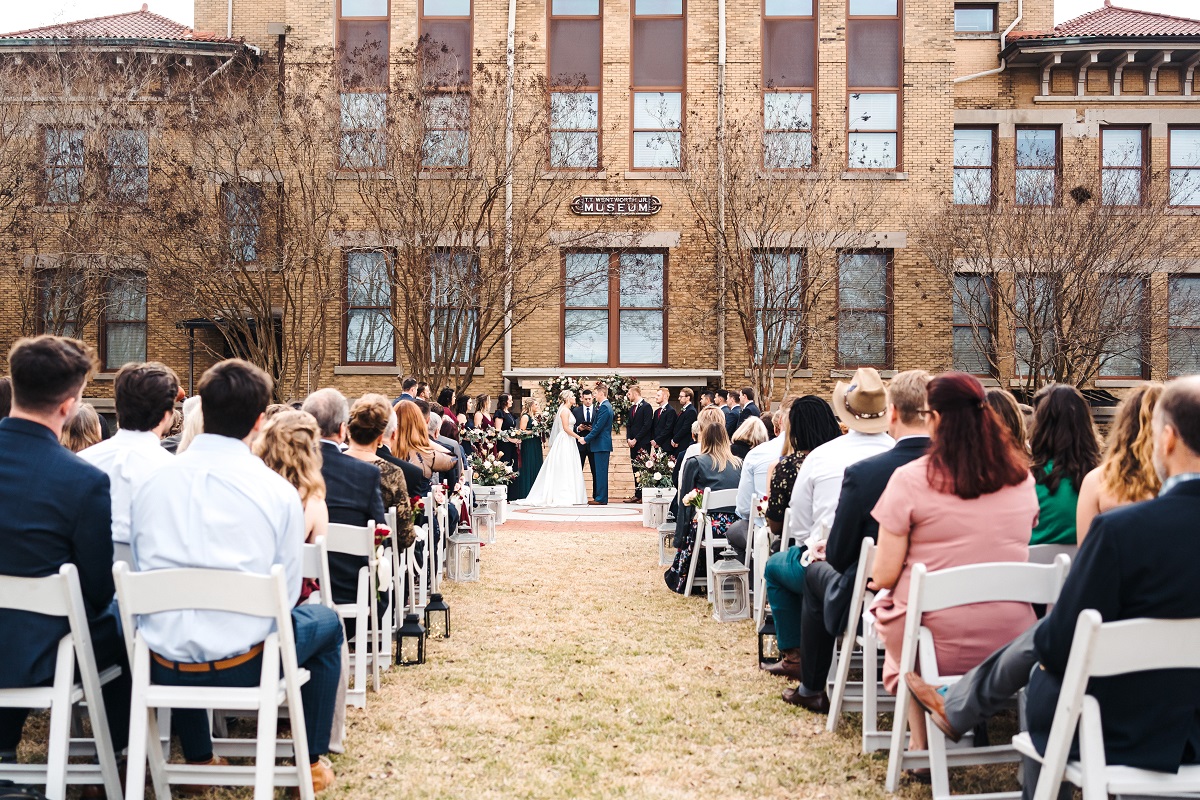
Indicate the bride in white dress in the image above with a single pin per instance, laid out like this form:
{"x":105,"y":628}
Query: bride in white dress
{"x":560,"y":482}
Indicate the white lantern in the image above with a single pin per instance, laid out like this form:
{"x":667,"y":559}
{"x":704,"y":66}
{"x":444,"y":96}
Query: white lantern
{"x":666,"y":544}
{"x":654,"y":512}
{"x":483,"y":520}
{"x":731,"y":579}
{"x":462,"y":559}
{"x":496,"y":500}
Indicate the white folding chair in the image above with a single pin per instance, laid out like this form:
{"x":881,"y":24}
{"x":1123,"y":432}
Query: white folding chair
{"x":705,"y":541}
{"x":937,"y":591}
{"x":60,"y":596}
{"x":1101,"y":650}
{"x":758,"y":550}
{"x":400,"y":570}
{"x":352,"y":540}
{"x":867,"y":695}
{"x":157,"y":591}
{"x":1046,"y":553}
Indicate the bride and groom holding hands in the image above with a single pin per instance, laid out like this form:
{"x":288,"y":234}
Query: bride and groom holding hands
{"x":560,"y":481}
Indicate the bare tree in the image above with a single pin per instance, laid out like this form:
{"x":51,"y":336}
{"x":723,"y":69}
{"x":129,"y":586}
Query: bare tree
{"x":1056,"y":286}
{"x":775,"y":211}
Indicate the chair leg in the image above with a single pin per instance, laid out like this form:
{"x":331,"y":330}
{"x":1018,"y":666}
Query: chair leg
{"x":60,"y":737}
{"x":899,"y":729}
{"x":939,"y":768}
{"x":841,"y":681}
{"x":268,"y":720}
{"x":142,"y":726}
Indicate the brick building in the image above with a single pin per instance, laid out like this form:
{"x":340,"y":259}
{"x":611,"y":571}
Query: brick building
{"x":923,"y":104}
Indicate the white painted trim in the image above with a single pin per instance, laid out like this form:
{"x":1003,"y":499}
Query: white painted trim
{"x":874,"y":176}
{"x":573,"y":175}
{"x":1104,"y":383}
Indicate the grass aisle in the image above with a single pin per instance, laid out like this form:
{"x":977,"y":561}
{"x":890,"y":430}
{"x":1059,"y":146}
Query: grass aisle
{"x":574,"y":672}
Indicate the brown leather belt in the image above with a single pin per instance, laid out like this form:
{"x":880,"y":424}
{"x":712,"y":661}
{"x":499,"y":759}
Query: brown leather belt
{"x":210,"y":666}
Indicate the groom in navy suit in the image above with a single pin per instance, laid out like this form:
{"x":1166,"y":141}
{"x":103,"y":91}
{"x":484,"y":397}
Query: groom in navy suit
{"x":599,"y":441}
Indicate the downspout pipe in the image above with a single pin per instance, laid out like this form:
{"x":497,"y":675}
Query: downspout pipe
{"x":229,"y":21}
{"x":1003,"y":40}
{"x":721,"y":189}
{"x":508,"y":181}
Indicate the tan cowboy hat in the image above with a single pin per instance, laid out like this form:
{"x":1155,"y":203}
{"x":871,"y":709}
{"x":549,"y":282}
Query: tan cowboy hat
{"x":862,"y":403}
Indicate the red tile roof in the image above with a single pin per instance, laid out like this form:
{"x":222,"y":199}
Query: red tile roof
{"x":142,"y":24}
{"x":1113,"y":21}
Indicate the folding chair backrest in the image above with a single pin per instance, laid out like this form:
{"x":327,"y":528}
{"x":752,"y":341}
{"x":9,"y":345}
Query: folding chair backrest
{"x":1046,"y":553}
{"x":351,"y":540}
{"x":719,"y":498}
{"x":46,"y":595}
{"x":986,"y":583}
{"x":161,"y":590}
{"x":1137,"y":645}
{"x":866,"y":562}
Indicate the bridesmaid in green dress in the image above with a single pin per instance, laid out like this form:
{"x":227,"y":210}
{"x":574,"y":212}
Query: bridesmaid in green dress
{"x":530,"y":459}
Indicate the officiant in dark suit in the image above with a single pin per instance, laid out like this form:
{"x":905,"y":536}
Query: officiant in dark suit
{"x":639,"y":432}
{"x":584,"y":416}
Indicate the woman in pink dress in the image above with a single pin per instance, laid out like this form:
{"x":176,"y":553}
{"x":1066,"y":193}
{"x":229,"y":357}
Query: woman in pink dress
{"x":971,"y":500}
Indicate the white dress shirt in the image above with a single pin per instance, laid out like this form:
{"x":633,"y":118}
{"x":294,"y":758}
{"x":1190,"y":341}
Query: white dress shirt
{"x":819,"y":482}
{"x":756,"y":468}
{"x":128,"y":458}
{"x":217,"y":506}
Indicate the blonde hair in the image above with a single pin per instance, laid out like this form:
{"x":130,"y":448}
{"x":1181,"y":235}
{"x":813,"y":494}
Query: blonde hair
{"x":753,"y":432}
{"x":290,"y":444}
{"x":82,"y":429}
{"x":193,"y":423}
{"x":714,"y":442}
{"x":564,"y":394}
{"x":711,"y":414}
{"x":1127,"y":469}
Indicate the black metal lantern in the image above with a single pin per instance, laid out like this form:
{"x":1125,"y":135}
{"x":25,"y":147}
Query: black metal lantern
{"x":410,"y":642}
{"x":768,"y":646}
{"x":437,"y":612}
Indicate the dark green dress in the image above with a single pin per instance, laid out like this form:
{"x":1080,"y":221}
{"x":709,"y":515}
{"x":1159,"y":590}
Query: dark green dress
{"x":529,"y":464}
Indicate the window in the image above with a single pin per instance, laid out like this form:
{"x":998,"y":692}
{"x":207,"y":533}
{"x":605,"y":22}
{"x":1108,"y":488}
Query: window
{"x":575,"y":83}
{"x":124,"y":319}
{"x":369,"y":334}
{"x":789,"y":48}
{"x":864,"y":317}
{"x":778,"y":306}
{"x":874,"y":62}
{"x":1122,"y":166}
{"x":63,"y":158}
{"x":363,"y":55}
{"x":61,"y":295}
{"x":973,"y":328}
{"x":1036,"y":312}
{"x":659,"y":69}
{"x":445,"y":62}
{"x":1037,"y":166}
{"x":1183,"y":325}
{"x":447,"y":130}
{"x":454,"y":300}
{"x":1185,"y":166}
{"x":606,"y":287}
{"x":974,"y":19}
{"x":128,"y":167}
{"x":241,"y":204}
{"x":1124,"y":308}
{"x":974,"y":166}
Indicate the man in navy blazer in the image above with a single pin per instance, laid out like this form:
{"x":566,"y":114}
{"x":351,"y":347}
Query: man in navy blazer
{"x":1141,"y":560}
{"x":748,"y":408}
{"x":599,"y":441}
{"x":54,"y":509}
{"x":352,"y":488}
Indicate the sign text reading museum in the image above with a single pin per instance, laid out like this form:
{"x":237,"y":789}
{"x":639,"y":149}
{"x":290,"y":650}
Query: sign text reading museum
{"x":616,"y":205}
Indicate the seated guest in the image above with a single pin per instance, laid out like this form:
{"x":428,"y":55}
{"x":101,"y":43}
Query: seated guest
{"x":82,"y":430}
{"x":714,"y":468}
{"x":171,"y":441}
{"x":251,"y":519}
{"x":861,"y":406}
{"x":1140,"y":560}
{"x":368,"y":420}
{"x":829,"y":579}
{"x":290,"y":444}
{"x":414,"y":446}
{"x":193,"y":424}
{"x":749,"y":435}
{"x":352,"y":488}
{"x":5,"y":396}
{"x":386,"y":451}
{"x":692,"y":450}
{"x":971,"y":500}
{"x":1065,"y":449}
{"x":1126,"y":474}
{"x":1008,"y":410}
{"x":145,"y":401}
{"x":810,"y":424}
{"x":54,"y":509}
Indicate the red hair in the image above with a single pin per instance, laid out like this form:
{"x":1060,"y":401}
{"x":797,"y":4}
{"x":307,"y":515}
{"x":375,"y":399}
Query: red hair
{"x":973,"y":453}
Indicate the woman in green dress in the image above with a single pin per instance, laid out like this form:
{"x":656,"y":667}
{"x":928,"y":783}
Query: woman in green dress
{"x":530,"y":456}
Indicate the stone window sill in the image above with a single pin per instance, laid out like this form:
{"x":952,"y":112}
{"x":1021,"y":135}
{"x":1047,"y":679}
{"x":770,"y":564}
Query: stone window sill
{"x":874,"y":176}
{"x":1117,"y":383}
{"x":886,"y":374}
{"x":104,"y":377}
{"x":783,"y":373}
{"x":575,"y":175}
{"x":656,"y":175}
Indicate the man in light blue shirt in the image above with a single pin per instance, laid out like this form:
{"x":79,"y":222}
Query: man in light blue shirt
{"x":218,"y":506}
{"x":752,"y":487}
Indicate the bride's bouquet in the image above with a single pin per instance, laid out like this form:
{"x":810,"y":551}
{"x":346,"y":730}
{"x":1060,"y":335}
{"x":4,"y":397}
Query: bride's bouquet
{"x":656,"y":470}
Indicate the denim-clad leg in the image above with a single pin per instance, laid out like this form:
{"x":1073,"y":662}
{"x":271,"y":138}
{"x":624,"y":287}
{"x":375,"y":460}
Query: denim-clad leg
{"x":318,"y":638}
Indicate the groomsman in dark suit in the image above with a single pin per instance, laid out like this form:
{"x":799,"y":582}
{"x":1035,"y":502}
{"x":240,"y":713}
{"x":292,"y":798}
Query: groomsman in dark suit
{"x":681,"y":437}
{"x":664,"y":420}
{"x":733,"y":412}
{"x":55,"y":509}
{"x":639,"y":432}
{"x":584,"y":414}
{"x":748,"y":408}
